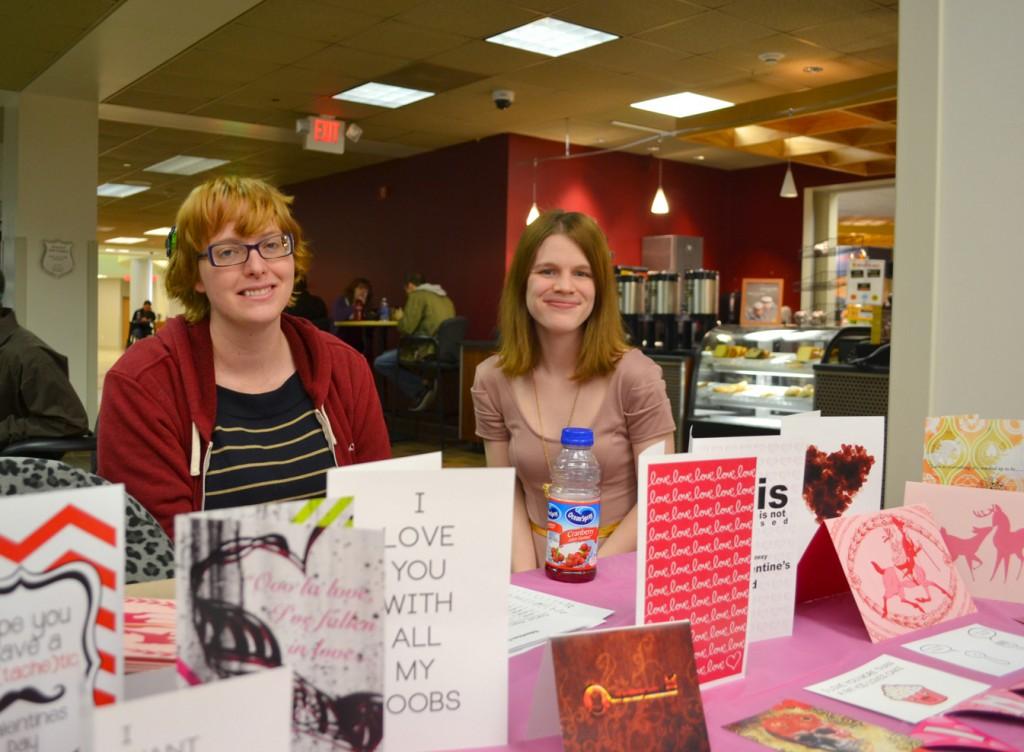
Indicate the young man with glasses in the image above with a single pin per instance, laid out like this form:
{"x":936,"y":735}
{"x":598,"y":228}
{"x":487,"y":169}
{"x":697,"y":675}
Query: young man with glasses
{"x":235,"y":402}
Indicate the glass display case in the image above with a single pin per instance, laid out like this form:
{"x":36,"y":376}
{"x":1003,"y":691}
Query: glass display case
{"x":747,"y":378}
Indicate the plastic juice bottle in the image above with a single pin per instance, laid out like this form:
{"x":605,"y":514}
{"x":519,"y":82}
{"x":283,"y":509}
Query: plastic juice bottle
{"x":574,"y":509}
{"x":384,"y":312}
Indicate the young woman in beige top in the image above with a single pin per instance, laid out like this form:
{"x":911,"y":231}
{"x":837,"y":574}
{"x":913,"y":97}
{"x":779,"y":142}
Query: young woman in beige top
{"x":563,"y":360}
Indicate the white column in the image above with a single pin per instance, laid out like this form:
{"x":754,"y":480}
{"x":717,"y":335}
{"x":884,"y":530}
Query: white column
{"x":959,"y":266}
{"x":141,"y":286}
{"x":49,"y":194}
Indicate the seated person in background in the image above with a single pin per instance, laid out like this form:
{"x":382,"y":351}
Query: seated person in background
{"x":36,"y":398}
{"x":426,"y":306}
{"x":563,"y":361}
{"x":142,"y":321}
{"x":308,"y":306}
{"x":235,"y":402}
{"x":356,"y":303}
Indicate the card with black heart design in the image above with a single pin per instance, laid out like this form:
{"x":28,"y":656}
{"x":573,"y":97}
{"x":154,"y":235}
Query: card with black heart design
{"x":258,"y":590}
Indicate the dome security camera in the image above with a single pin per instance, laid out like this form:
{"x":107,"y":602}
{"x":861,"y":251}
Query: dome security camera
{"x":503,"y":98}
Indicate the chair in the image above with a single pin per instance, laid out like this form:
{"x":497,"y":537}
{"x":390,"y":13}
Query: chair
{"x":149,"y":553}
{"x":447,"y":345}
{"x":53,"y":448}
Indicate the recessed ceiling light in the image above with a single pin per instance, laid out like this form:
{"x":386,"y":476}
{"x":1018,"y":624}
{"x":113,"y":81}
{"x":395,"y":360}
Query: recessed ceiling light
{"x":684,"y":104}
{"x":125,"y":241}
{"x":120,"y":190}
{"x":771,"y":58}
{"x":383,"y":95}
{"x":813,"y":69}
{"x":103,"y":228}
{"x":551,"y":37}
{"x":183,"y":164}
{"x":161,"y":231}
{"x":699,"y":157}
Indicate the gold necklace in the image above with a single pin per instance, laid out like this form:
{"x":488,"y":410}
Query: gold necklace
{"x":540,"y":423}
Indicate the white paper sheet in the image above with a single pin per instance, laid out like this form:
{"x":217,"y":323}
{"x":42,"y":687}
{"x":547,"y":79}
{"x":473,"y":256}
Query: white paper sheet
{"x":977,"y":647}
{"x":534,"y":617}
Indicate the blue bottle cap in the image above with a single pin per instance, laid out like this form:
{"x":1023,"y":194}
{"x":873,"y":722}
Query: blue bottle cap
{"x":582,"y":437}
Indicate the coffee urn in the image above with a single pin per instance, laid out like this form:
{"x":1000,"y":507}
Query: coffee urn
{"x":663,"y":306}
{"x":631,"y":284}
{"x":701,"y":304}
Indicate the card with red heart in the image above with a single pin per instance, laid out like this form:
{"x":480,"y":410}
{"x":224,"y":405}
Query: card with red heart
{"x":257,"y":590}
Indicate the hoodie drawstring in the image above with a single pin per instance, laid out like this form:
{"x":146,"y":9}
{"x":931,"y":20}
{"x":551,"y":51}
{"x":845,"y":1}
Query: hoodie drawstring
{"x":193,"y":467}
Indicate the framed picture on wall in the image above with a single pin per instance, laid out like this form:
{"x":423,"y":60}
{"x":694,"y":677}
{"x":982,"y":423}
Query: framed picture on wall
{"x":761,"y":304}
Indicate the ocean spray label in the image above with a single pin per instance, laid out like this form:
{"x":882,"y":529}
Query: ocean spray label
{"x":572,"y":534}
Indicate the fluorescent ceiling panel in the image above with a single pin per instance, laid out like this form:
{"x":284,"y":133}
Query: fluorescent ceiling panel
{"x":126,"y":241}
{"x":383,"y":95}
{"x":119,"y":190}
{"x":682,"y":105}
{"x":161,"y":231}
{"x":183,"y":164}
{"x":551,"y":37}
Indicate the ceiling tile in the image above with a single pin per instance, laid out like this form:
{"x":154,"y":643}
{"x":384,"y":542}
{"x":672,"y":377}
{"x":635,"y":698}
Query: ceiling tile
{"x":699,"y":73}
{"x":353,"y":63}
{"x":794,"y":49}
{"x":707,"y":32}
{"x":864,"y":32}
{"x":148,"y":100}
{"x":379,"y":8}
{"x":309,"y":20}
{"x":470,"y":18}
{"x":624,"y":17}
{"x":630,"y":55}
{"x":219,"y":65}
{"x":399,"y":39}
{"x":19,"y":65}
{"x":486,"y":58}
{"x":788,"y":15}
{"x":172,"y":84}
{"x":281,"y":47}
{"x":246,"y":114}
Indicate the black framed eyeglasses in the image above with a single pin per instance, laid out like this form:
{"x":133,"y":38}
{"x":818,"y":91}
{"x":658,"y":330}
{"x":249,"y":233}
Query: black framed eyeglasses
{"x":233,"y":253}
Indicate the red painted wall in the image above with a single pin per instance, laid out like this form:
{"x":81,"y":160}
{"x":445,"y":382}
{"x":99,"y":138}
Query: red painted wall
{"x":442,"y":213}
{"x":456,"y":215}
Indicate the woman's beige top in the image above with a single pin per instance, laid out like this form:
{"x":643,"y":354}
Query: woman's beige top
{"x":635,"y":409}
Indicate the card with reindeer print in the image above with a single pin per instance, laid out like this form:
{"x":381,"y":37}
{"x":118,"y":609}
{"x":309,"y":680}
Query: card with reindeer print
{"x":984,"y":532}
{"x":899,"y":569}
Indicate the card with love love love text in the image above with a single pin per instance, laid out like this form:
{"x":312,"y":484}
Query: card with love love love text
{"x":695,"y":521}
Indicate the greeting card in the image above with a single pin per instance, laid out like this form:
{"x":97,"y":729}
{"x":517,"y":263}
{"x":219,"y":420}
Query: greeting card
{"x":695,"y":522}
{"x":783,"y":526}
{"x":794,"y":726}
{"x":948,"y":733}
{"x":976,"y":647}
{"x":630,"y":688}
{"x":193,"y":719}
{"x":61,"y":629}
{"x":900,"y":572}
{"x":965,"y":450}
{"x":984,"y":532}
{"x":843,"y":465}
{"x":256,"y":590}
{"x":149,"y":626}
{"x":448,"y":540}
{"x":899,"y":689}
{"x":1001,"y":704}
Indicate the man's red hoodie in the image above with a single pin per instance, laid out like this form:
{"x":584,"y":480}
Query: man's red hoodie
{"x":160,"y":403}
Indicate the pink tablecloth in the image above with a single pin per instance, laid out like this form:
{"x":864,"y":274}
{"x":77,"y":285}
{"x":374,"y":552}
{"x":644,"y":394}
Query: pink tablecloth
{"x":828,"y":638}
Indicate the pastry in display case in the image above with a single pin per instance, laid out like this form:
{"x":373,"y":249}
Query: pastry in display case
{"x":747,"y":378}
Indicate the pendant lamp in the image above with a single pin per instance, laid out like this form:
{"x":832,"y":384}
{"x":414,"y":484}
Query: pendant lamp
{"x":788,"y":184}
{"x":534,"y":211}
{"x":660,"y":204}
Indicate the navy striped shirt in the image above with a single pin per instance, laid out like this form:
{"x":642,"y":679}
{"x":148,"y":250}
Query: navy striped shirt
{"x":266,"y":447}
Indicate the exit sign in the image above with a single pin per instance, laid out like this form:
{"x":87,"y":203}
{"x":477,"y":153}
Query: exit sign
{"x":324,"y":134}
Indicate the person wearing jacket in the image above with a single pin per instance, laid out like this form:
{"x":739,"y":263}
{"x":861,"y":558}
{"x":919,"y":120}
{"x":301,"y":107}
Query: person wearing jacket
{"x":36,"y":398}
{"x":235,"y":402}
{"x":426,"y":306}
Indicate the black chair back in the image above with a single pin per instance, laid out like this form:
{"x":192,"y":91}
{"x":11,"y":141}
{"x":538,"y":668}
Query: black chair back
{"x":449,"y":336}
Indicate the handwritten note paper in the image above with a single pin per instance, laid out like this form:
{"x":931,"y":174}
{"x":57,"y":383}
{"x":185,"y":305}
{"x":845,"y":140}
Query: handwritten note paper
{"x":695,"y":528}
{"x":61,"y":627}
{"x":448,"y":538}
